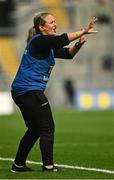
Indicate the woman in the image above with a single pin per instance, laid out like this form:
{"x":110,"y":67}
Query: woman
{"x":30,"y":82}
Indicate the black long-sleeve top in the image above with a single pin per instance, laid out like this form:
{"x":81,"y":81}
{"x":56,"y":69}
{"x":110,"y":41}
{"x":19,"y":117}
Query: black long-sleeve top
{"x":40,"y":46}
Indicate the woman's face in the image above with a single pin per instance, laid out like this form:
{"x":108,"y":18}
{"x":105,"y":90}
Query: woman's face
{"x":49,"y":27}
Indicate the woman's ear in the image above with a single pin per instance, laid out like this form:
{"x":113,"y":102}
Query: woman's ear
{"x":41,"y":28}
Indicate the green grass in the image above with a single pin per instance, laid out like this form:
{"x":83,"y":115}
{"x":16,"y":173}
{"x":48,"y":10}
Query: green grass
{"x":81,"y":139}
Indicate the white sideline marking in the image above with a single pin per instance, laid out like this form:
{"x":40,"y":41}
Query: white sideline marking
{"x":66,"y":166}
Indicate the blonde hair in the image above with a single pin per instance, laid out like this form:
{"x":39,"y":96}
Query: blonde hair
{"x":38,"y":20}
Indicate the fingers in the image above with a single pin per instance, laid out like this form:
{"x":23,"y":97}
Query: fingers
{"x":92,"y":31}
{"x":94,"y":19}
{"x":93,"y":22}
{"x":82,"y":39}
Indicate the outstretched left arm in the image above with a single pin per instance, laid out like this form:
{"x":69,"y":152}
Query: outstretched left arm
{"x":69,"y":52}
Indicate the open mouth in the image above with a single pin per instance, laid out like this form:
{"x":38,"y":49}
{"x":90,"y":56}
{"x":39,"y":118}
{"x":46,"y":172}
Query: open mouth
{"x":55,"y":30}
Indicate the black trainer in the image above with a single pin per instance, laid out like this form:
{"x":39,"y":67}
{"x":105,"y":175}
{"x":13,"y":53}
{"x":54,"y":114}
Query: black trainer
{"x":53,"y":169}
{"x":16,"y":168}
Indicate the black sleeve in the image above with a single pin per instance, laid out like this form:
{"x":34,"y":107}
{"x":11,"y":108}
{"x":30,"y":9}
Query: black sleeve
{"x":62,"y":53}
{"x":47,"y":42}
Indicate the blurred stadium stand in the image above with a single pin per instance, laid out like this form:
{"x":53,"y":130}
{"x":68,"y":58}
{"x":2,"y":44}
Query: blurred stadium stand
{"x":56,"y":7}
{"x":7,"y":17}
{"x":8,"y":58}
{"x":86,"y":70}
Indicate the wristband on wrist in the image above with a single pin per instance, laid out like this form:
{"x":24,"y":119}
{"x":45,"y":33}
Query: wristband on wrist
{"x":78,"y":45}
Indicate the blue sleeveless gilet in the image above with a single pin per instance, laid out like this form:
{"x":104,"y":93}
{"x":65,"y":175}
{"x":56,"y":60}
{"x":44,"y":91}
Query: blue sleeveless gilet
{"x":33,"y":74}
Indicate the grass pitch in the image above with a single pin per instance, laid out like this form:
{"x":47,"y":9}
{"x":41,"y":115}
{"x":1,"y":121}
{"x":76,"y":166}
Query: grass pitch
{"x":83,"y":139}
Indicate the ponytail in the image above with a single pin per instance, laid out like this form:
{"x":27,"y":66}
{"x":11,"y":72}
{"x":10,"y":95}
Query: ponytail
{"x":31,"y":33}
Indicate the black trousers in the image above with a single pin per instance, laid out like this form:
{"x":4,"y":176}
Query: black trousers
{"x":37,"y":116}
